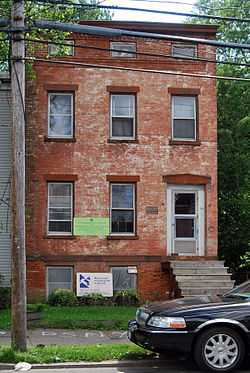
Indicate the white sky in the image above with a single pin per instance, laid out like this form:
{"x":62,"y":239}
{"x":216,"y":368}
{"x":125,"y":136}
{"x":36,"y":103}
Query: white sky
{"x":149,"y":17}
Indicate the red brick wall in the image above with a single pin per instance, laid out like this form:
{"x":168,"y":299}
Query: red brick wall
{"x":91,"y":157}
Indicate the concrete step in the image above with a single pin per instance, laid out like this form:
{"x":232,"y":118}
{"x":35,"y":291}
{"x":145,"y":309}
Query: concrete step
{"x":196,"y":263}
{"x":205,"y":284}
{"x":204,"y":291}
{"x":200,"y":271}
{"x":208,"y":277}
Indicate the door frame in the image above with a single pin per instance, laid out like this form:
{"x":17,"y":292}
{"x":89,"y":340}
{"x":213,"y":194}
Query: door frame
{"x":199,"y":190}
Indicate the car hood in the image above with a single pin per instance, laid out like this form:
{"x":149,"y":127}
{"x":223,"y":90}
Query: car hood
{"x":189,"y":303}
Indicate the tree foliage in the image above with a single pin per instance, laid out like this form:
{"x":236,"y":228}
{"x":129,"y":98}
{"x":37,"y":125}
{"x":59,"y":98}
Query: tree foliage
{"x":233,"y":131}
{"x":34,"y":11}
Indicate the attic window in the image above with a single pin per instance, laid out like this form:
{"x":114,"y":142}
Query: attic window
{"x":61,"y":50}
{"x":184,"y":50}
{"x":123,"y":49}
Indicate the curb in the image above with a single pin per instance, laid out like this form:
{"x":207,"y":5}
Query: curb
{"x":102,"y":364}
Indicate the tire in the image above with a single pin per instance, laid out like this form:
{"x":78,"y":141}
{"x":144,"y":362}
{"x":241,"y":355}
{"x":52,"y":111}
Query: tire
{"x":219,"y":349}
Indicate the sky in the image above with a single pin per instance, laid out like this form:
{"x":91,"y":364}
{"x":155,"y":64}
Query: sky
{"x":170,"y":5}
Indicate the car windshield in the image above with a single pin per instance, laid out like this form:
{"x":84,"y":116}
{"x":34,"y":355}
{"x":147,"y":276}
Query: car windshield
{"x":241,"y":291}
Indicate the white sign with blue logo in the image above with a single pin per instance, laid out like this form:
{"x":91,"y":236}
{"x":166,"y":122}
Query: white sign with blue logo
{"x":89,"y":283}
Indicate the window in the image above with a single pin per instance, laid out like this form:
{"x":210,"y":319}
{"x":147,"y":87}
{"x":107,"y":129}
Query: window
{"x":122,"y":116}
{"x":123,"y":279}
{"x":60,"y":209}
{"x":184,"y":118}
{"x":60,"y":115}
{"x":122,"y":209}
{"x":123,"y":48}
{"x":59,"y":278}
{"x":61,"y":50}
{"x":183,"y":50}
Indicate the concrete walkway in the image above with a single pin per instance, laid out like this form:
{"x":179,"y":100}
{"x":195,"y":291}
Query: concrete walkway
{"x":68,"y":337}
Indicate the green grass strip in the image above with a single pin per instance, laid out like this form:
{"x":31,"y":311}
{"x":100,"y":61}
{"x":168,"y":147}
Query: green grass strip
{"x":60,"y":354}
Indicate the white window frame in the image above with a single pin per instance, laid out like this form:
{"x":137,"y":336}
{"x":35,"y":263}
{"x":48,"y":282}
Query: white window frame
{"x":56,"y":267}
{"x":195,"y":119}
{"x":48,"y":207}
{"x":125,"y":209}
{"x":183,"y":45}
{"x":199,"y":190}
{"x":62,"y":115}
{"x":122,"y":43}
{"x":122,"y":116}
{"x":56,"y":54}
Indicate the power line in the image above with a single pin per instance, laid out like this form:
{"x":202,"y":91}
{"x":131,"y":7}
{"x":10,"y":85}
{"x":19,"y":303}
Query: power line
{"x":152,"y":11}
{"x":189,"y":4}
{"x":186,"y":58}
{"x":163,"y":72}
{"x":113,"y":32}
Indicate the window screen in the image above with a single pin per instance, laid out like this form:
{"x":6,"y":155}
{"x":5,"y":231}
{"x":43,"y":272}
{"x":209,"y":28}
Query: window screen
{"x":60,"y":119}
{"x":122,"y":116}
{"x":122,"y":280}
{"x":60,"y":208}
{"x":59,"y":278}
{"x":122,"y":49}
{"x":183,"y":117}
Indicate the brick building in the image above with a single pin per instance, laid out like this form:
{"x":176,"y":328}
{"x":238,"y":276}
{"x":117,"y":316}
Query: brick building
{"x":136,"y":149}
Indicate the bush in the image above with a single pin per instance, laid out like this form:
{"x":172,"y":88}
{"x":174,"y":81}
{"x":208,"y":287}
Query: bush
{"x":95,"y":299}
{"x":126,"y":298}
{"x":62,"y":297}
{"x":5,"y":297}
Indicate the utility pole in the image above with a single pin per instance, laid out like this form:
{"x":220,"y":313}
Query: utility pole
{"x":18,"y":301}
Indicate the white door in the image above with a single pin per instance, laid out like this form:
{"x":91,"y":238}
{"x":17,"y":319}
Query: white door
{"x":185,"y":220}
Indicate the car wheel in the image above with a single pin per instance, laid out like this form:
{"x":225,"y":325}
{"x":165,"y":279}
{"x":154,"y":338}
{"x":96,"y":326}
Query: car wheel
{"x":219,"y":349}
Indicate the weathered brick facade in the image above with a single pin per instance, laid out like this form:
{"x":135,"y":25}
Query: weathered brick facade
{"x":90,"y":158}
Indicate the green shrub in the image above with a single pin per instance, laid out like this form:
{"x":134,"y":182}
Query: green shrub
{"x":36,"y":307}
{"x":5,"y":297}
{"x":95,"y":299}
{"x":62,"y":297}
{"x":126,"y":298}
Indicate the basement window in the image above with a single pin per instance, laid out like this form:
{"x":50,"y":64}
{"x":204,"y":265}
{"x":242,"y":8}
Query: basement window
{"x":59,"y":278}
{"x":123,"y":49}
{"x":124,"y":278}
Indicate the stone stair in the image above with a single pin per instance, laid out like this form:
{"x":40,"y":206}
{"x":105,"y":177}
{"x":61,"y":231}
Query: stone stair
{"x":201,"y":277}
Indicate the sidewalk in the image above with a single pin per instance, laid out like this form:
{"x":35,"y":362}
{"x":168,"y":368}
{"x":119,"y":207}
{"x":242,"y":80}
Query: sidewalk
{"x":68,"y":337}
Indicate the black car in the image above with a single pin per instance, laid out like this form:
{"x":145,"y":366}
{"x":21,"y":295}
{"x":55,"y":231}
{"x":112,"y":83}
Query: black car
{"x":215,"y":329}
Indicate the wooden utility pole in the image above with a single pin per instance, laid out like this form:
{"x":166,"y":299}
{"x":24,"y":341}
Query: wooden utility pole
{"x":19,"y":320}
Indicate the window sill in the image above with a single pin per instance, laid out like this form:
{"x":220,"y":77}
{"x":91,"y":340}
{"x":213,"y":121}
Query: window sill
{"x":51,"y":139}
{"x":122,"y":237}
{"x":181,"y":142}
{"x":59,"y":237}
{"x":114,"y":141}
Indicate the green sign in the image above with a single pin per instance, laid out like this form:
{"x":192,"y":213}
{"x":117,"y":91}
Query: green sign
{"x":91,"y":226}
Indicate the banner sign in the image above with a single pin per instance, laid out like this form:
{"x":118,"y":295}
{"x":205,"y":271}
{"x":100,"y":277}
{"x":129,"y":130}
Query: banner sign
{"x":89,"y":283}
{"x":91,"y":226}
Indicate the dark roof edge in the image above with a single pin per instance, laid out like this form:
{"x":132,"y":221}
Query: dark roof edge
{"x":157,"y":27}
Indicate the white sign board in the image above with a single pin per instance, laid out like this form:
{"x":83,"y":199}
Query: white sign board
{"x":89,"y":283}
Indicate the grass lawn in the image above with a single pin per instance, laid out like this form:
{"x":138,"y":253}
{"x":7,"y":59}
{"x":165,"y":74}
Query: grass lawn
{"x":81,"y":317}
{"x":57,"y":354}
